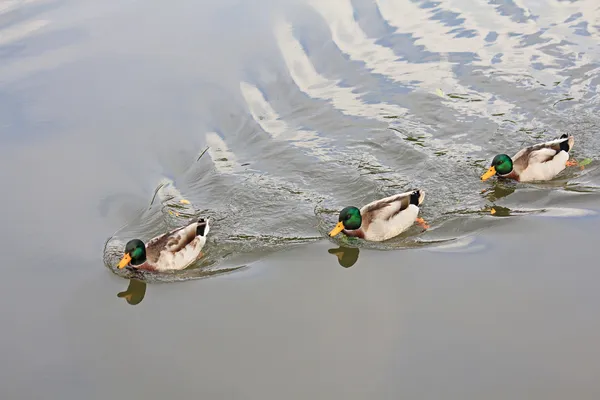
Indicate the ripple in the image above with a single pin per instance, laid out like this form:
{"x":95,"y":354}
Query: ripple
{"x":21,"y":31}
{"x":221,"y":250}
{"x":411,"y":94}
{"x":317,"y":86}
{"x":224,"y":160}
{"x":567,"y":212}
{"x":271,"y":122}
{"x":467,"y":244}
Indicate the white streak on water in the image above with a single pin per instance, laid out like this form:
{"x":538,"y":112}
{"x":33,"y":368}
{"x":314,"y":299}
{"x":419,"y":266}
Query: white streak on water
{"x":483,"y":17}
{"x":467,"y":244}
{"x":225,"y":161}
{"x":168,"y":191}
{"x":345,"y":99}
{"x":271,"y":123}
{"x":566,"y":212}
{"x":353,"y":41}
{"x":317,"y":86}
{"x":7,"y":6}
{"x":557,"y":10}
{"x":20,"y":31}
{"x":262,"y":112}
{"x":408,"y":17}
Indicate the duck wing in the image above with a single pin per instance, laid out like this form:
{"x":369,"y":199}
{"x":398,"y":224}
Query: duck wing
{"x":172,"y":242}
{"x":387,"y":208}
{"x":541,"y":153}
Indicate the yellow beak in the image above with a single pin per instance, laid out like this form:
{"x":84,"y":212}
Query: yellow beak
{"x":339,"y":255}
{"x":490,"y":172}
{"x":338,"y":228}
{"x":124,"y":261}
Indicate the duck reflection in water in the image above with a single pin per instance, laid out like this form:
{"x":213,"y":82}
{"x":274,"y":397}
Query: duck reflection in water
{"x":135,"y":292}
{"x":501,"y":211}
{"x":500,"y":190}
{"x":347,"y":256}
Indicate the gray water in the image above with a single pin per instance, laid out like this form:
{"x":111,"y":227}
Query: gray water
{"x":304,"y":107}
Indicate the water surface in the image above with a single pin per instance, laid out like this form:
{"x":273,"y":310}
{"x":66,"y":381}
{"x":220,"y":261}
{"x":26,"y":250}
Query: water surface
{"x":305,"y":107}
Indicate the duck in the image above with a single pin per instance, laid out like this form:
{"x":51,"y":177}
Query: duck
{"x":382,"y":219}
{"x":540,"y":162}
{"x":174,"y":250}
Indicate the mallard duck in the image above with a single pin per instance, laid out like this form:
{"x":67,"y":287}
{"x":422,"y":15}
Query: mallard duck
{"x":174,"y":250}
{"x":382,"y":219}
{"x":540,"y":162}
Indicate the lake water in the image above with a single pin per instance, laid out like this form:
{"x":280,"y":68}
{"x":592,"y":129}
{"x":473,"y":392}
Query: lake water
{"x":304,"y":107}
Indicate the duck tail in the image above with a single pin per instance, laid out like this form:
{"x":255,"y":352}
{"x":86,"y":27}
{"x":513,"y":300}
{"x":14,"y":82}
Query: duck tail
{"x":202,"y":227}
{"x":417,"y":197}
{"x":567,"y":145}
